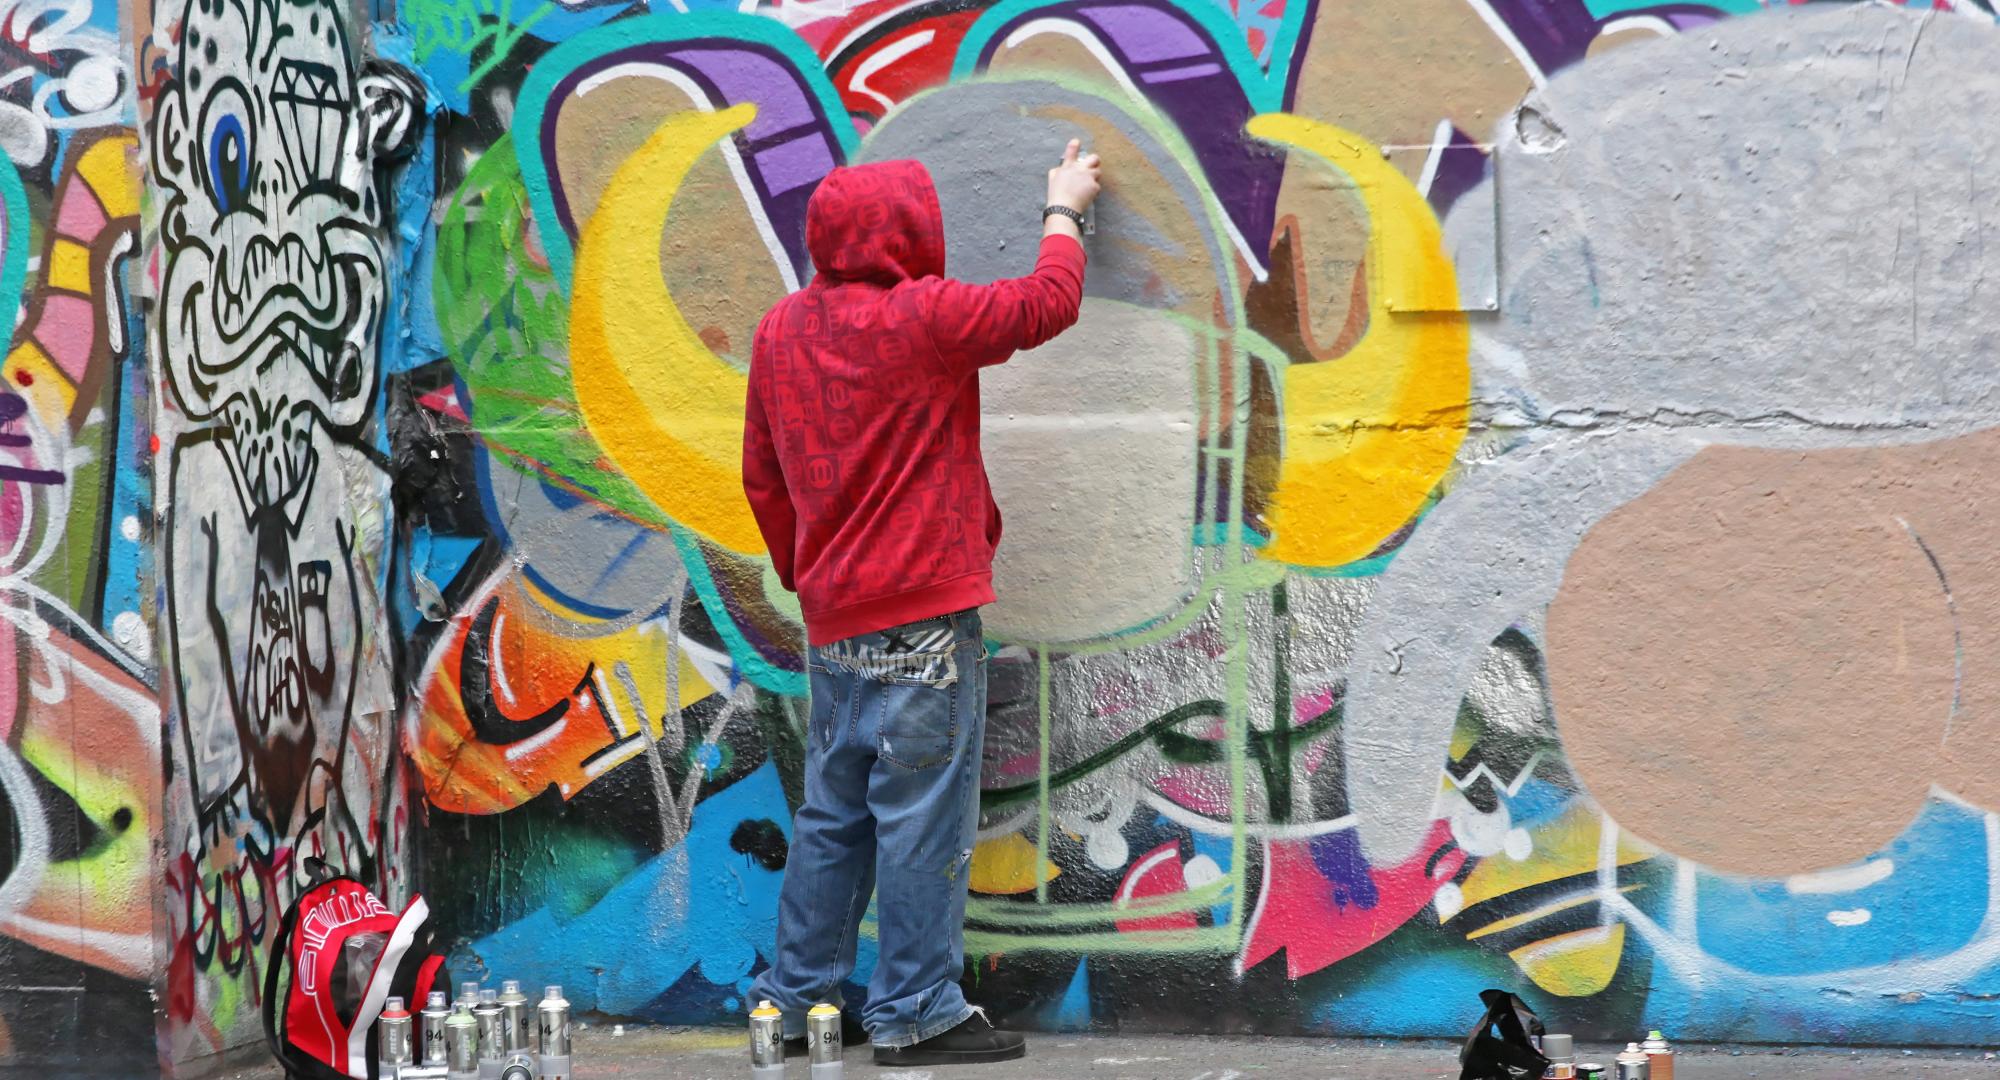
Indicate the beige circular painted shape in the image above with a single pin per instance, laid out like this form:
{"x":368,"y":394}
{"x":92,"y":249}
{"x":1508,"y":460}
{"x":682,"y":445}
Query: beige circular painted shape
{"x":1752,"y":665}
{"x":1090,"y":444}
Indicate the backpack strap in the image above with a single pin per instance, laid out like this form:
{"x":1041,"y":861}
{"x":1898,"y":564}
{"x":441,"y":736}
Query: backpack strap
{"x":280,"y":945}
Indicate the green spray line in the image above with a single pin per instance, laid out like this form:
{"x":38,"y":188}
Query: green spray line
{"x":1015,"y":913}
{"x":1214,"y":939}
{"x":1042,"y":777}
{"x":1236,"y":681}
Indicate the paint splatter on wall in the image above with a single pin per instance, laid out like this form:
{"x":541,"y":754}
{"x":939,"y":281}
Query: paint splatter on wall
{"x":1508,"y":513}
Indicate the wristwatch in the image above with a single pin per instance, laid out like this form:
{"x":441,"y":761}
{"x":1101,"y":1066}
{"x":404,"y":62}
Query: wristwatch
{"x":1073,"y":215}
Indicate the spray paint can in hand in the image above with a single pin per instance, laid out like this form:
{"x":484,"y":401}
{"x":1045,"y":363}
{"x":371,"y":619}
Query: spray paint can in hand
{"x":1632,"y":1063}
{"x":514,"y":1015}
{"x":1659,"y":1056}
{"x":492,"y":1037}
{"x":552,"y":1034}
{"x":461,"y":1044}
{"x":392,"y":1035}
{"x":767,"y":1043}
{"x":823,"y":1035}
{"x":430,"y":1029}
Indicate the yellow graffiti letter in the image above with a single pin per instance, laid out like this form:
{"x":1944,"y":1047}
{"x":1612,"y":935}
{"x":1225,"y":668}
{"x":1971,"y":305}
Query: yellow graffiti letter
{"x":667,"y":411}
{"x":1367,"y":436}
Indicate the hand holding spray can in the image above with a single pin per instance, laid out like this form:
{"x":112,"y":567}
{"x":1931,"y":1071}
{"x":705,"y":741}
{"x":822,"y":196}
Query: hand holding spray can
{"x":430,"y":1029}
{"x":552,"y":1034}
{"x":823,"y":1035}
{"x":767,"y":1043}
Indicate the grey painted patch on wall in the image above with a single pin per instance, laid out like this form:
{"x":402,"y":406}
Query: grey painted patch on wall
{"x":1769,"y":232}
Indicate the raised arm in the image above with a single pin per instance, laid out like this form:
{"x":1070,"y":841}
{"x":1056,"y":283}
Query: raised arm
{"x":975,"y":326}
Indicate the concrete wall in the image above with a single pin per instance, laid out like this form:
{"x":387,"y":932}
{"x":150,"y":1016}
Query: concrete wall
{"x":1510,"y":514}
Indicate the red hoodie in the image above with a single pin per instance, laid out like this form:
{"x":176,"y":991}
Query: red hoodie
{"x":861,"y":432}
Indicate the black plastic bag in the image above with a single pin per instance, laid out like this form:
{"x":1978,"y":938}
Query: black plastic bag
{"x":1502,"y":1047}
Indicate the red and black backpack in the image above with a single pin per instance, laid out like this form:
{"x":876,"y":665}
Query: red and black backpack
{"x":326,"y":1030}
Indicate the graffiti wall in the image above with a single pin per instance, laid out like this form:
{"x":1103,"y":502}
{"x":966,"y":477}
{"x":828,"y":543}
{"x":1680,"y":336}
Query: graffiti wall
{"x":1507,"y":516}
{"x":80,"y":787}
{"x":1510,"y":512}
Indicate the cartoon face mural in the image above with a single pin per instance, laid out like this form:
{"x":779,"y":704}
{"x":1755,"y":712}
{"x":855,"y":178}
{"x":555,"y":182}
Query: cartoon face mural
{"x":265,"y":148}
{"x":273,"y":289}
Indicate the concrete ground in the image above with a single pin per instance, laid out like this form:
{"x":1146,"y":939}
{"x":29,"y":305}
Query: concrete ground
{"x":707,"y":1054}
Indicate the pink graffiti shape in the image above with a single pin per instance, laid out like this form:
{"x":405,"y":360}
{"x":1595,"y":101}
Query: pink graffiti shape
{"x":1297,"y":911}
{"x":1157,"y":873}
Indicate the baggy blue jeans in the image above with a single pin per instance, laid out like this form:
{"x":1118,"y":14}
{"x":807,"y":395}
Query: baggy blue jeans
{"x":891,"y":808}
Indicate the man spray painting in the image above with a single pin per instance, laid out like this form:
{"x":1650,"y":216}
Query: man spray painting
{"x":861,"y":461}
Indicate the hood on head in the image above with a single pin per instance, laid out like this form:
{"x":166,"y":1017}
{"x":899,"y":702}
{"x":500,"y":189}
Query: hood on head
{"x":877,"y":223}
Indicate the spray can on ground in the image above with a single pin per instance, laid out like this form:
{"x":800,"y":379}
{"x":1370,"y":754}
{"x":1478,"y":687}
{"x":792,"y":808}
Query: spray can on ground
{"x":468,"y":995}
{"x":461,"y":1043}
{"x":492,"y":1037}
{"x":1632,"y":1063}
{"x":1561,"y":1052}
{"x":767,"y":1043}
{"x":514,"y":1015}
{"x":392,"y":1035}
{"x":1659,"y":1056}
{"x":823,"y":1035}
{"x":417,"y":1072}
{"x":1591,"y":1070}
{"x":430,"y":1029}
{"x":552,"y":1034}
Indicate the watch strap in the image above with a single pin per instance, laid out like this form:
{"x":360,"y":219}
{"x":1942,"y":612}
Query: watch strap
{"x":1073,"y":215}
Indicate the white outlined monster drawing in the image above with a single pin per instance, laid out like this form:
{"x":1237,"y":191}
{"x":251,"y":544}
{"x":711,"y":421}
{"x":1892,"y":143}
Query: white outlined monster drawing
{"x":265,"y":147}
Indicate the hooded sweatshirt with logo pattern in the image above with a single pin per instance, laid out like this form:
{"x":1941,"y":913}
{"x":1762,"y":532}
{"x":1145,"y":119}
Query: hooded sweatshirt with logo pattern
{"x":861,"y":456}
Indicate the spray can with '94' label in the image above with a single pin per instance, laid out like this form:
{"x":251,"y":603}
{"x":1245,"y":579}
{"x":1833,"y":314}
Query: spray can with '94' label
{"x":823,"y":1033}
{"x":552,"y":1035}
{"x":430,"y":1029}
{"x":513,"y":1015}
{"x":767,"y":1043}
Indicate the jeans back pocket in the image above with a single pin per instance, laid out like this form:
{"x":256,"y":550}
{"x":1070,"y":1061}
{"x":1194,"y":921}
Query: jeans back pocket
{"x":917,"y":723}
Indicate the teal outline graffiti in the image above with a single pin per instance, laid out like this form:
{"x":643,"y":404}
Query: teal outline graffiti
{"x":547,"y":74}
{"x":552,"y":69}
{"x":749,"y":662}
{"x":20,"y":236}
{"x":1266,"y":89}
